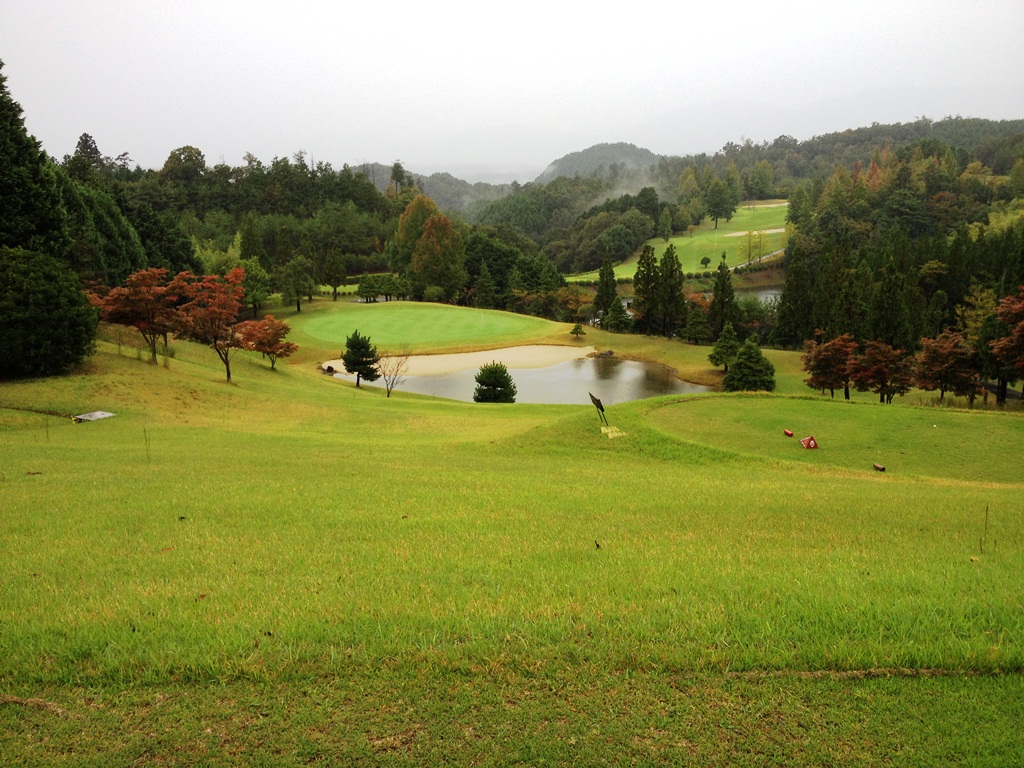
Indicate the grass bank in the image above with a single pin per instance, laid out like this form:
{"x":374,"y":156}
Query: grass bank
{"x":290,"y":570}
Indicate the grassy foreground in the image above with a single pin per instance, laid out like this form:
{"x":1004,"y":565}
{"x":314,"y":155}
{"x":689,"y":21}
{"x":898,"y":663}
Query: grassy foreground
{"x":288,"y":570}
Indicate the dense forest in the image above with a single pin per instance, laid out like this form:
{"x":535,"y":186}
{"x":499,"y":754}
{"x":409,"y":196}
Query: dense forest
{"x":897,"y":232}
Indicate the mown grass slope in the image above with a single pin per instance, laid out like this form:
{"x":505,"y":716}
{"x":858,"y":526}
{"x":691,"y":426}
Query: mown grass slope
{"x":289,"y":570}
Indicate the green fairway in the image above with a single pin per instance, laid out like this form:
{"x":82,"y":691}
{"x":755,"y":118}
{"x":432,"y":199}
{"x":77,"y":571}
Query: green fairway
{"x":972,"y":446}
{"x":706,"y":241}
{"x":415,"y":325}
{"x":289,"y":570}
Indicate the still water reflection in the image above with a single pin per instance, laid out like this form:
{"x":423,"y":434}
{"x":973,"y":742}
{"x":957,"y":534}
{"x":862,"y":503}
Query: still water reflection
{"x":610,"y":379}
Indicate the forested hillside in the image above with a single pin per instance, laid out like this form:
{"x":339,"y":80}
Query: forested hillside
{"x":898,"y":233}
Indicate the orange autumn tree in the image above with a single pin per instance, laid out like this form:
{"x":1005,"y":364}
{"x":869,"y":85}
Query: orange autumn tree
{"x":830,"y":364}
{"x":1009,"y":349}
{"x":145,"y":302}
{"x":266,"y":336}
{"x":211,"y":307}
{"x":946,"y":363}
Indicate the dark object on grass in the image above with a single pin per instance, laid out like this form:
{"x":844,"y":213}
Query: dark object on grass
{"x":879,"y":467}
{"x":596,"y":544}
{"x":787,"y":432}
{"x":600,"y":409}
{"x":809,"y":442}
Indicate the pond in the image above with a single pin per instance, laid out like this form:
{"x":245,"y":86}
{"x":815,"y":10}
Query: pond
{"x":763,"y":294}
{"x":611,"y":379}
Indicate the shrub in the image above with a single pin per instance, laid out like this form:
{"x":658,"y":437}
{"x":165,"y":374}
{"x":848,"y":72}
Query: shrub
{"x":48,"y":324}
{"x":494,"y":384}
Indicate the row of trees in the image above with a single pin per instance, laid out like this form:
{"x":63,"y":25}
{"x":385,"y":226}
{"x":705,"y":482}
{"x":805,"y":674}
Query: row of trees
{"x":948,"y":362}
{"x":901,"y":252}
{"x":200,"y":308}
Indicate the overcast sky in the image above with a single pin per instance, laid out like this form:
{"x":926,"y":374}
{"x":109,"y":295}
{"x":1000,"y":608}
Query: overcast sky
{"x":506,"y":87}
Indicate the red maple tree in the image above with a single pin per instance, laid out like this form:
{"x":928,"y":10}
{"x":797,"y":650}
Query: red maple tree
{"x":830,"y":364}
{"x":211,"y":307}
{"x":266,"y":336}
{"x":1010,"y":348}
{"x":883,"y":370}
{"x":146,"y":302}
{"x":946,"y":363}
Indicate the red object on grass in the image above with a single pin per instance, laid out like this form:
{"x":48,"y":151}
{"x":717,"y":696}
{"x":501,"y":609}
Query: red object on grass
{"x":788,"y":432}
{"x":809,"y":442}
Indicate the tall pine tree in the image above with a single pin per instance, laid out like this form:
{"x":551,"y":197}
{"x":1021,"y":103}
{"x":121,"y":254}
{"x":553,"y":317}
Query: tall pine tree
{"x":724,"y":308}
{"x":645,"y":292}
{"x":671,"y":300}
{"x":32,"y":215}
{"x":606,"y":292}
{"x":796,"y":304}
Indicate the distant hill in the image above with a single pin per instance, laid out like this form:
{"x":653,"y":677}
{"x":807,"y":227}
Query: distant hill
{"x":603,"y":161}
{"x":450,"y":193}
{"x":626,"y":168}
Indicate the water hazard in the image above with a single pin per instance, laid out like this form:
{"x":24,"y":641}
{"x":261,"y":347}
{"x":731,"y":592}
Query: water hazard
{"x":608,"y":378}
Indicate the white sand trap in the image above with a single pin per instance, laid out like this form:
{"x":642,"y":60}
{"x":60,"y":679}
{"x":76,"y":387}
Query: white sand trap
{"x":534,"y":356}
{"x":755,"y":232}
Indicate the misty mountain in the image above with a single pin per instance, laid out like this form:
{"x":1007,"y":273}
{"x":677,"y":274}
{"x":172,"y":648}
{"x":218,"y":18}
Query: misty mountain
{"x":603,"y":161}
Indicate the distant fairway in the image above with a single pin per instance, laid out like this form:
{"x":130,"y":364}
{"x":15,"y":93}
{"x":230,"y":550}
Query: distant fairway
{"x":416,"y":325}
{"x":710,"y":242}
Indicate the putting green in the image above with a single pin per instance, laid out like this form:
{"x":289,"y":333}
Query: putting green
{"x":391,"y":324}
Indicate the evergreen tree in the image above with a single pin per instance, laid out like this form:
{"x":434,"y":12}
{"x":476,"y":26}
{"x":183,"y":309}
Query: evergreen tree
{"x":831,"y":277}
{"x":485,"y":289}
{"x":645,"y":292}
{"x":606,"y":291}
{"x":48,"y":323}
{"x":726,"y":347}
{"x":665,"y":224}
{"x":361,"y":358}
{"x":795,"y":305}
{"x":32,"y":214}
{"x":697,"y":329}
{"x":494,"y":384}
{"x":751,"y":371}
{"x":616,"y":319}
{"x":671,"y":299}
{"x":104,"y":245}
{"x":891,"y":320}
{"x":723,"y":309}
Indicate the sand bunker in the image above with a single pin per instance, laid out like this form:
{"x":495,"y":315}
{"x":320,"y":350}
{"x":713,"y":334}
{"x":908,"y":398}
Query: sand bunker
{"x":534,"y":356}
{"x":755,"y":232}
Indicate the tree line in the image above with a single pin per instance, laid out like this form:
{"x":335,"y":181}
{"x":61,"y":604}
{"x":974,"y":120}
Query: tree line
{"x":903,"y":252}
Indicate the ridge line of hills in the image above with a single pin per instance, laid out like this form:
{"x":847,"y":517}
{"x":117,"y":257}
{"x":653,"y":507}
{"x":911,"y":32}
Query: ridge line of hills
{"x":630,"y":167}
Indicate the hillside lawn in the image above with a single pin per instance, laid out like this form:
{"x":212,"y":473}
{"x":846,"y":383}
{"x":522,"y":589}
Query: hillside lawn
{"x":705,"y":240}
{"x":288,"y":570}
